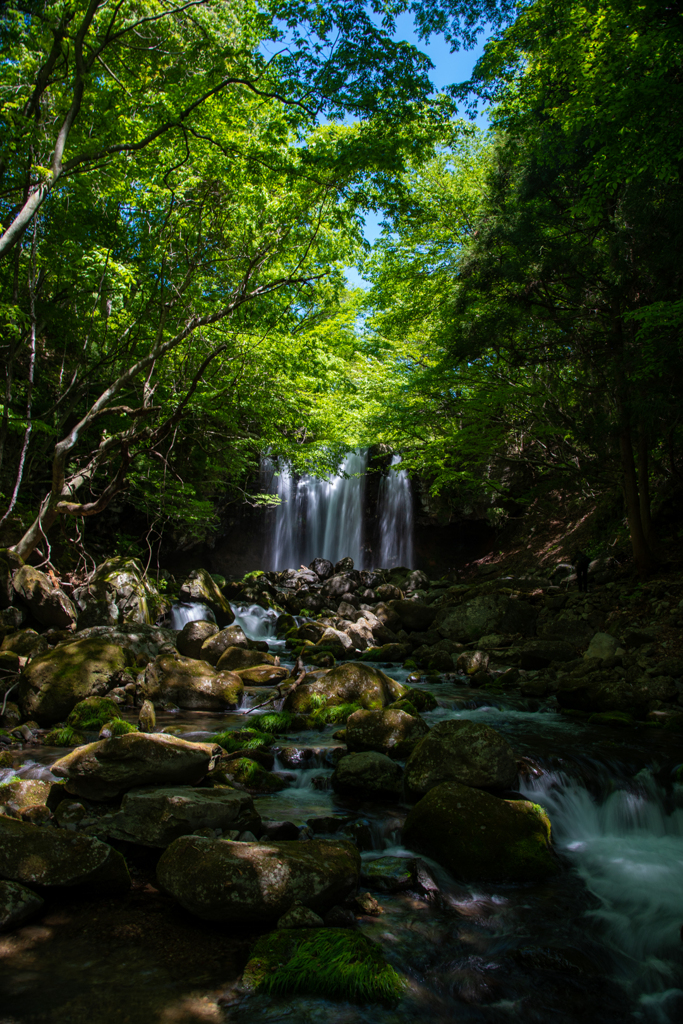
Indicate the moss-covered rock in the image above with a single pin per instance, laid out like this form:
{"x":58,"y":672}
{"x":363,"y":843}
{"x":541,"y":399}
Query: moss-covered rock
{"x":47,"y":603}
{"x":235,"y":658}
{"x":350,"y":683}
{"x":460,"y":751}
{"x":255,"y":883}
{"x":118,"y":592}
{"x":147,"y":719}
{"x":51,"y":857}
{"x":191,"y":684}
{"x":102,"y":770}
{"x":156,"y":816}
{"x":389,"y":731}
{"x":214,"y":646}
{"x":200,"y":588}
{"x":9,"y":563}
{"x":251,"y":776}
{"x":193,"y":635}
{"x":263,"y":675}
{"x":479,"y":837}
{"x":332,"y":963}
{"x":53,"y":683}
{"x":20,"y":793}
{"x":17,"y":905}
{"x":422,"y":700}
{"x":614,"y":719}
{"x":368,"y":775}
{"x":91,"y":714}
{"x":25,"y":643}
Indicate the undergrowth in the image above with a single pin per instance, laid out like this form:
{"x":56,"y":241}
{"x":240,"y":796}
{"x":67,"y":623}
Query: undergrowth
{"x":242,"y":740}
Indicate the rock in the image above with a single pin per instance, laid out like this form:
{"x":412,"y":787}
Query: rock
{"x":486,"y":613}
{"x":460,"y":751}
{"x":199,"y":588}
{"x":263,"y":675}
{"x":12,"y":618}
{"x":192,"y":636}
{"x":360,"y":634}
{"x":9,"y":564}
{"x":351,"y":683}
{"x":35,"y":855}
{"x":603,"y":646}
{"x":336,"y":586}
{"x":672,"y":667}
{"x":273,"y":830}
{"x":388,"y":592}
{"x":102,"y":770}
{"x":389,"y":731}
{"x":147,"y":718}
{"x":20,"y":793}
{"x":388,"y":874}
{"x":470,"y":662}
{"x":118,"y":592}
{"x":603,"y":692}
{"x":368,"y":775}
{"x":215,"y":646}
{"x":26,"y":643}
{"x":191,"y":684}
{"x":248,"y":774}
{"x":299,"y":916}
{"x":539,"y":653}
{"x":344,"y":565}
{"x":367,"y":904}
{"x":53,"y":683}
{"x":17,"y":905}
{"x":47,"y":603}
{"x":414,"y":615}
{"x":417,"y":580}
{"x":156,"y":816}
{"x":142,"y":642}
{"x":322,"y":568}
{"x":234,"y":658}
{"x":638,"y":638}
{"x":336,"y":641}
{"x":256,"y":883}
{"x":389,"y":652}
{"x":91,"y":714}
{"x":69,"y":812}
{"x":340,"y":917}
{"x":480,"y":837}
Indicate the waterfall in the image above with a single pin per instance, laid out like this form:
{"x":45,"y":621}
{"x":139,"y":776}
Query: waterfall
{"x":319,"y":518}
{"x":395,"y":514}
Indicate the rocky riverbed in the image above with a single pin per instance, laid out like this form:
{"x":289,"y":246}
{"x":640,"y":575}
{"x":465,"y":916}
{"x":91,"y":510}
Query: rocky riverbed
{"x":406,"y":796}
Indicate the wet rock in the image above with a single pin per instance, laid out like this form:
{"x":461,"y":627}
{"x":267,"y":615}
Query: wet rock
{"x":147,"y":718}
{"x":326,"y":823}
{"x":156,"y":816}
{"x":20,"y":793}
{"x":470,"y":662}
{"x":102,"y":770}
{"x":119,"y":592}
{"x":344,"y":565}
{"x":273,"y":830}
{"x":389,"y":592}
{"x":359,"y":832}
{"x":47,"y":603}
{"x":299,"y":916}
{"x":603,"y":691}
{"x":366,"y":903}
{"x":17,"y":905}
{"x":200,"y":588}
{"x":460,"y":751}
{"x":368,"y":776}
{"x":480,"y":837}
{"x":192,"y":636}
{"x":69,"y":812}
{"x":143,"y":642}
{"x":248,"y":774}
{"x":53,"y":683}
{"x":389,"y":731}
{"x":336,"y":586}
{"x":351,"y":683}
{"x":336,"y":641}
{"x":215,"y":646}
{"x":34,"y":855}
{"x":396,"y":653}
{"x":414,"y":615}
{"x":255,"y":884}
{"x":235,"y":658}
{"x":538,"y":654}
{"x":388,"y":874}
{"x":12,"y":618}
{"x":91,"y":714}
{"x":360,"y":634}
{"x":340,"y":917}
{"x":602,"y":646}
{"x":263,"y":675}
{"x":25,"y":643}
{"x":322,"y":568}
{"x":191,"y":684}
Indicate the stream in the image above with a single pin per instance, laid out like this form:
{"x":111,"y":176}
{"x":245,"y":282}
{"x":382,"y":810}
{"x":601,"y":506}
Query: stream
{"x":600,"y":942}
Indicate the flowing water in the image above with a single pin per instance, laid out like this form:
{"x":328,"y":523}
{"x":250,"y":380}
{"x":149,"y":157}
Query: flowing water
{"x":395,"y":513}
{"x":600,"y":942}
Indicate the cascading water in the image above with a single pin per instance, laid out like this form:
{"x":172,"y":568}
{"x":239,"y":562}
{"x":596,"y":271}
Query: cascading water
{"x":395,"y":513}
{"x":319,"y":518}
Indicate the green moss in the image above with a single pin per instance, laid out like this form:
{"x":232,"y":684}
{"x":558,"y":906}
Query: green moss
{"x":242,"y":740}
{"x":423,"y":700}
{"x":337,"y":715}
{"x":119,"y":727}
{"x":404,"y":705}
{"x":250,"y":774}
{"x":64,"y":736}
{"x":410,"y":663}
{"x":619,"y":719}
{"x":92,"y":713}
{"x":275,"y":722}
{"x":335,"y":963}
{"x":6,"y":759}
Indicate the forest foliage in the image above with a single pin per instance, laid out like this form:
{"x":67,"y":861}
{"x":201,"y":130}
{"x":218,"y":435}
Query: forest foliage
{"x":183,"y":183}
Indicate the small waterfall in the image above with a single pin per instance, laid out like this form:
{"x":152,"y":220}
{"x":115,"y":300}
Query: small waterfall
{"x":319,"y":518}
{"x":187,"y":611}
{"x":395,"y":514}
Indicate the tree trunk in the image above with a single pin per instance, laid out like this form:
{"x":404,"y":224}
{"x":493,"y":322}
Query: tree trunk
{"x":644,"y":490}
{"x":642,"y":555}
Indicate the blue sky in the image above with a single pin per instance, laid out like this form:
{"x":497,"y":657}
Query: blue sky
{"x":448,"y":68}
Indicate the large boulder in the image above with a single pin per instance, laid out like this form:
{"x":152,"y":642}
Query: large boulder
{"x":20,"y":793}
{"x":322,"y":568}
{"x":156,"y":816}
{"x":479,"y":837}
{"x":368,"y":775}
{"x":485,"y":613}
{"x":143,"y":642}
{"x":351,"y":683}
{"x":192,"y":636}
{"x":338,"y":585}
{"x":337,"y":641}
{"x":51,"y":857}
{"x":214,"y":646}
{"x":102,"y":770}
{"x":119,"y":591}
{"x":263,"y":675}
{"x":191,"y":684}
{"x":46,"y":602}
{"x":234,"y":658}
{"x":200,"y":588}
{"x":460,"y":751}
{"x":17,"y":905}
{"x":387,"y":730}
{"x":53,"y":683}
{"x":25,"y":643}
{"x":415,"y":616}
{"x":256,"y":883}
{"x":603,"y":645}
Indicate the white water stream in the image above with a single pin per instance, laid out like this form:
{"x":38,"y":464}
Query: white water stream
{"x":395,"y":513}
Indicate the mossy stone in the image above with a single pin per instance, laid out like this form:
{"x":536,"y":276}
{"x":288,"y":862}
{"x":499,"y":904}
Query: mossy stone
{"x":350,"y":683}
{"x":251,"y":776}
{"x":91,"y":714}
